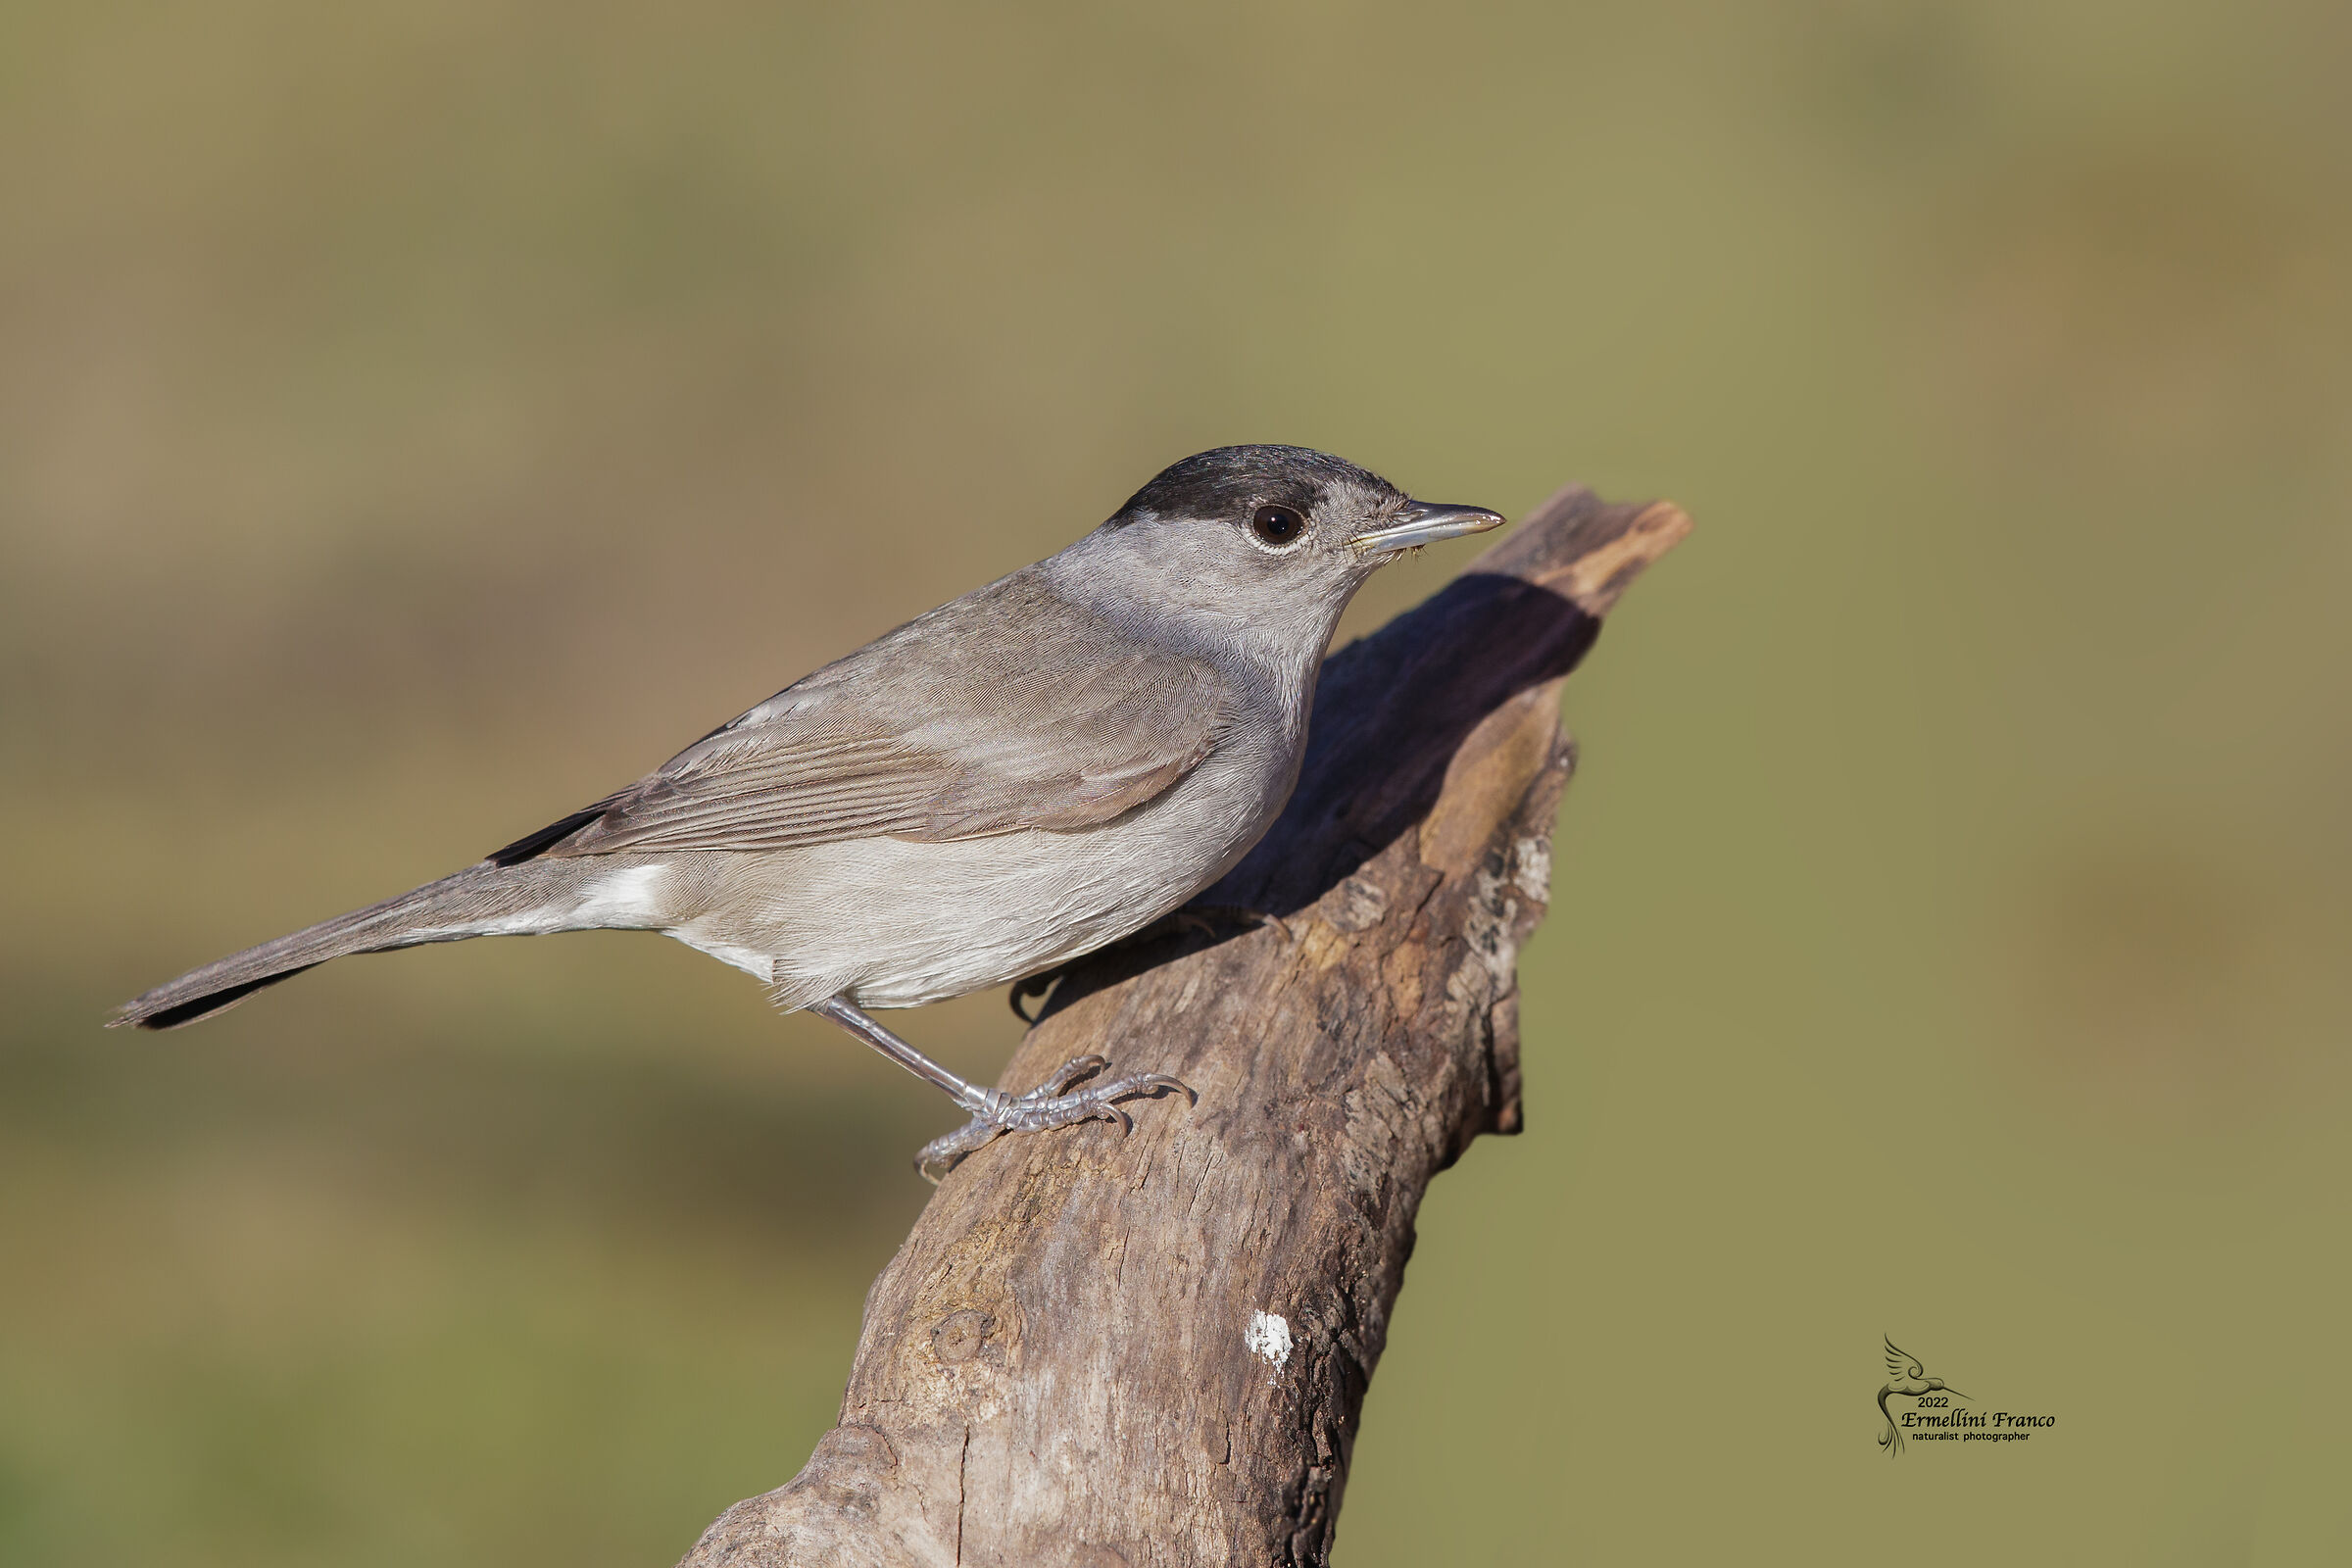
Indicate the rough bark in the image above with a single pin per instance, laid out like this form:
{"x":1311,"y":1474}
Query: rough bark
{"x":1099,"y":1351}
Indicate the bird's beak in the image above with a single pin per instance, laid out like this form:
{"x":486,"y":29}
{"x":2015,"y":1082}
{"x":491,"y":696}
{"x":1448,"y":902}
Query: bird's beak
{"x":1962,"y":1396}
{"x":1423,"y":522}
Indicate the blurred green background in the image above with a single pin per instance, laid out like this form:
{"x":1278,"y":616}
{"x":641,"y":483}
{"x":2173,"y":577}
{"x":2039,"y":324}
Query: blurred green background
{"x":417,"y":418}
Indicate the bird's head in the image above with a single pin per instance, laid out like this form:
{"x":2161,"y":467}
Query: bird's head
{"x":1267,"y":539}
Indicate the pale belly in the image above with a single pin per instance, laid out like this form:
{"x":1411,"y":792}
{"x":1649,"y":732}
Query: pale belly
{"x":897,"y":924}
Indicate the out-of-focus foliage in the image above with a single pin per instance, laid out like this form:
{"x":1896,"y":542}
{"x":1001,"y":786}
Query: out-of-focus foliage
{"x":417,"y":418}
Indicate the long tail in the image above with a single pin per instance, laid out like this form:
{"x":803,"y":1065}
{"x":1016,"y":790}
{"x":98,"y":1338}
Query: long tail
{"x":484,"y":899}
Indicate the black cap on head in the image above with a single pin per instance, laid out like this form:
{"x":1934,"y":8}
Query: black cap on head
{"x":1228,"y":480}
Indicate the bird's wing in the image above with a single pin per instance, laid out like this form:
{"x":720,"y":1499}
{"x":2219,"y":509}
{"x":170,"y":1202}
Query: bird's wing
{"x":1010,"y":709}
{"x":1901,"y":1363}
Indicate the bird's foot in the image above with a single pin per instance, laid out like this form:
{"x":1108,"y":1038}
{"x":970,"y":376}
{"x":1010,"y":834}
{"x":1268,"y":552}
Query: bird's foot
{"x":1052,"y":1103}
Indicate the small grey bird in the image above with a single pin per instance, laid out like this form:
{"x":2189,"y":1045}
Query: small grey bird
{"x":1031,"y":772}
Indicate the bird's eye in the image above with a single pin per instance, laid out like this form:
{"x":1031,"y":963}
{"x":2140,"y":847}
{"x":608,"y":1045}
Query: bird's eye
{"x":1277,"y":526}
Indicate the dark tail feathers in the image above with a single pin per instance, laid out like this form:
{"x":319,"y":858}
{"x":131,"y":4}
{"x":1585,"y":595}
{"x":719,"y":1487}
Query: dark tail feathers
{"x":480,"y":900}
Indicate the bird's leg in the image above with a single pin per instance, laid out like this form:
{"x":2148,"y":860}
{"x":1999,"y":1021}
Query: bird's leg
{"x":1052,"y":1103}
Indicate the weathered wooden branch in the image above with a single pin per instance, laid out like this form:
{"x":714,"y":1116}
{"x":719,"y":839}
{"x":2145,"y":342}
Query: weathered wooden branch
{"x":1098,"y":1351}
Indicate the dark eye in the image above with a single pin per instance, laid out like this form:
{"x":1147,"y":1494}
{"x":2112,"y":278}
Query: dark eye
{"x":1277,"y":526}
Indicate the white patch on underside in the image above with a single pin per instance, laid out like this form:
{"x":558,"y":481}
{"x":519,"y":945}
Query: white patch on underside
{"x":1268,"y":1338}
{"x":621,"y":898}
{"x":759,"y":965}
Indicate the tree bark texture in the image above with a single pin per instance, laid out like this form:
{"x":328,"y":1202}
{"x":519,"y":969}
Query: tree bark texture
{"x":1111,"y":1352}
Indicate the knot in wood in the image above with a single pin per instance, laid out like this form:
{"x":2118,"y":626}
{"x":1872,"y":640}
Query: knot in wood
{"x":958,"y":1336}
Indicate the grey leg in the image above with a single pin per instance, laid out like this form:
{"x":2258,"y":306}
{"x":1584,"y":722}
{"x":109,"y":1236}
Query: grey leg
{"x":1052,"y":1103}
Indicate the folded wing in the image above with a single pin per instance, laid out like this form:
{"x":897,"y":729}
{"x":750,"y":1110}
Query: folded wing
{"x":1010,"y":709}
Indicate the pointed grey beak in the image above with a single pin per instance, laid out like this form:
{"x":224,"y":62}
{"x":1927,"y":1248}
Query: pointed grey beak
{"x":1424,"y":522}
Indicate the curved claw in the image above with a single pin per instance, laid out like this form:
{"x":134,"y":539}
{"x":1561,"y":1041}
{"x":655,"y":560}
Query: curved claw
{"x":943,"y":1154}
{"x":1058,"y":1081}
{"x":1149,"y":1083}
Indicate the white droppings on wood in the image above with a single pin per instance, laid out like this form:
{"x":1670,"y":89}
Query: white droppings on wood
{"x":1530,"y":861}
{"x":1489,"y":926}
{"x":1268,"y":1338}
